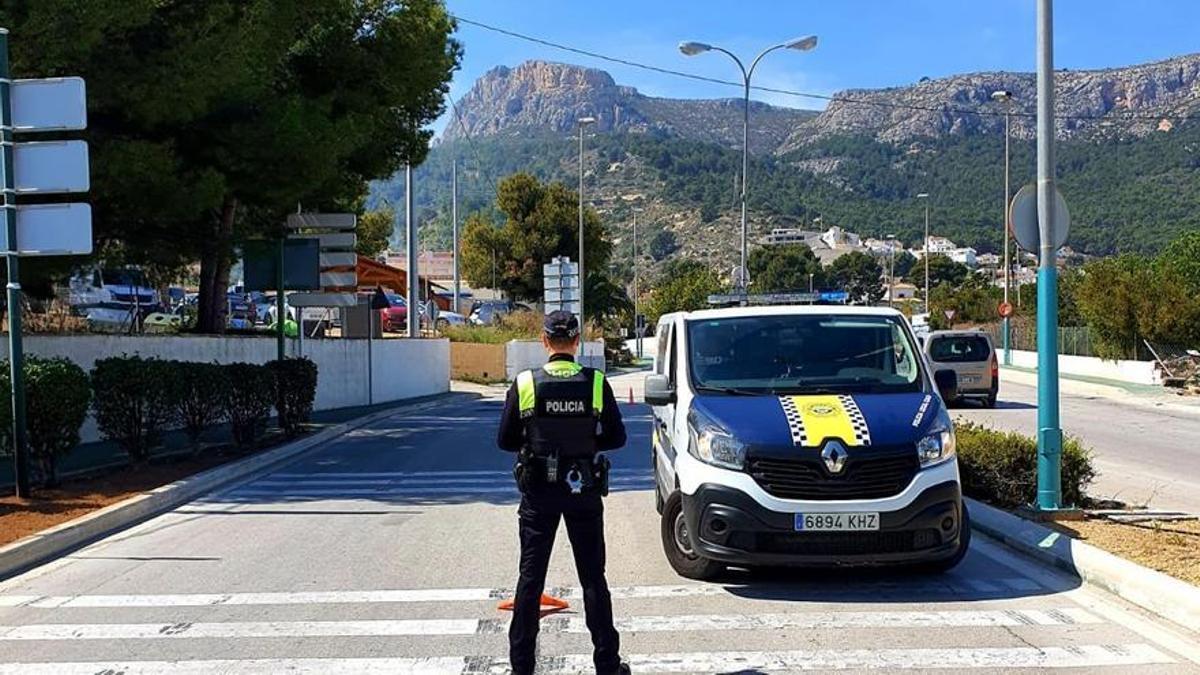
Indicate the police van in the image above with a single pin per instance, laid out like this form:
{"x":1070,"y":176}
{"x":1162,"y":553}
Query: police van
{"x":802,"y":435}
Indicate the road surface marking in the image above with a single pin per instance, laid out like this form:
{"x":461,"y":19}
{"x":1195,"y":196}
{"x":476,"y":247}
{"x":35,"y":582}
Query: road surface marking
{"x":757,"y":591}
{"x":683,"y":623}
{"x":1082,"y":656}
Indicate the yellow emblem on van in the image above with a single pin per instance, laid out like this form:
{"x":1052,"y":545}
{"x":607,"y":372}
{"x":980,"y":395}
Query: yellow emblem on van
{"x":812,"y":419}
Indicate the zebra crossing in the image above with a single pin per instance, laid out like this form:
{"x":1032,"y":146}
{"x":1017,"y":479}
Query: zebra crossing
{"x":419,"y":618}
{"x":406,"y":484}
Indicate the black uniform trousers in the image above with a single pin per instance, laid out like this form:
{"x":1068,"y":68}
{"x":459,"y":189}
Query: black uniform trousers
{"x":541,"y":508}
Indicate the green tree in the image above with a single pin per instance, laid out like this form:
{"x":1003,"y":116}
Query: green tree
{"x":943,"y":270}
{"x":1128,"y":298}
{"x":905,"y":262}
{"x":1182,"y":256}
{"x":374,"y":230}
{"x":686,"y":289}
{"x":663,"y":244}
{"x":784,"y":268}
{"x":860,"y":275}
{"x":540,"y":223}
{"x":605,"y":298}
{"x":210,"y":121}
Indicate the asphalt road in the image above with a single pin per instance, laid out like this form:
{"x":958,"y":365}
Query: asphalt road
{"x":1145,"y":455}
{"x":387,"y":551}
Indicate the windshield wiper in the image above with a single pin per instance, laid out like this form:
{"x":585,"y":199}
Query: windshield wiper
{"x":734,"y":391}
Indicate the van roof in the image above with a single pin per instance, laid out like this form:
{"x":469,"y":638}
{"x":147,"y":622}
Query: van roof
{"x":783,"y":310}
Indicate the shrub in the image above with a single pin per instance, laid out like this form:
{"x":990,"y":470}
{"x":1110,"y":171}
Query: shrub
{"x":131,"y":399}
{"x":248,"y":400}
{"x":56,"y":404}
{"x":1001,"y":467}
{"x":198,"y":392}
{"x":295,"y":389}
{"x":520,"y":325}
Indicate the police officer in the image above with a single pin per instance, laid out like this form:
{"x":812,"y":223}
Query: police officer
{"x":558,"y":418}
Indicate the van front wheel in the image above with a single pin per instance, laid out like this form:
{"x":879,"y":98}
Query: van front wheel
{"x":677,"y":544}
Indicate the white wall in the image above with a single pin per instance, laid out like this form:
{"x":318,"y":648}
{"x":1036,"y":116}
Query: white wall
{"x":1136,"y":372}
{"x":528,"y":354}
{"x":400,"y":368}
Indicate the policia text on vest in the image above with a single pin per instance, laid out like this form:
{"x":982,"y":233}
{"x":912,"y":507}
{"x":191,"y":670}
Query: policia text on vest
{"x":558,"y":418}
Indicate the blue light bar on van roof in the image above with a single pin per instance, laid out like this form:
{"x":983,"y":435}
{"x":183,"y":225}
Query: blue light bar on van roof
{"x":725,"y":299}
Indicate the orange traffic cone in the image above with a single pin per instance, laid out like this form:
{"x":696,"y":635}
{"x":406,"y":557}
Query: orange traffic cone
{"x":548,"y":603}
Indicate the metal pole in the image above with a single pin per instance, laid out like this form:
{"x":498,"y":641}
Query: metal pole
{"x":745,"y":172}
{"x":1007,"y":245}
{"x":15,"y":353}
{"x":581,"y":272}
{"x":926,"y":256}
{"x":370,"y":357}
{"x":892,"y":274}
{"x":1049,"y":430}
{"x":454,"y":220}
{"x":413,"y":318}
{"x":636,"y":329}
{"x":280,"y":307}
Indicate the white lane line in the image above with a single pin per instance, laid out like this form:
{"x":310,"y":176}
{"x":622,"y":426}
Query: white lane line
{"x":636,"y":624}
{"x":1080,"y":656}
{"x":764,"y":592}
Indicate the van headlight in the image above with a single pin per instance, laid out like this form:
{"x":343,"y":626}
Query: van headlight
{"x":939,"y":446}
{"x":710,"y":443}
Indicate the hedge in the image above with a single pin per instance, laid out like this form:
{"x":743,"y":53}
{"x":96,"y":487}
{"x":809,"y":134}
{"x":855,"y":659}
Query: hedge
{"x":248,"y":401}
{"x":1000,"y":468}
{"x":132,"y":402}
{"x":295,"y":390}
{"x":198,"y":392}
{"x":57,"y":395}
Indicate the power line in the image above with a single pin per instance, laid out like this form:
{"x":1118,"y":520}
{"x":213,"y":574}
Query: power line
{"x":788,"y":92}
{"x":474,"y":150}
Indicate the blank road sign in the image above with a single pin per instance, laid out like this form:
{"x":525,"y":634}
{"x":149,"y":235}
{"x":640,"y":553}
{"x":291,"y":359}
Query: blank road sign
{"x":322,"y":299}
{"x":52,"y":229}
{"x":337,"y":241}
{"x":338,"y":279}
{"x":338,"y":260}
{"x":52,"y":104}
{"x":54,"y":167}
{"x":324,"y":221}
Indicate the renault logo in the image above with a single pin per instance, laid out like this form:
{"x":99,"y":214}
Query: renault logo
{"x":834,"y":455}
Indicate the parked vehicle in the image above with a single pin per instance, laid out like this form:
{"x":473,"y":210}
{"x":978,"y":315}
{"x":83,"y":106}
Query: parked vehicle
{"x":802,"y":435}
{"x":242,"y":314}
{"x":489,"y":312}
{"x":972,"y":357}
{"x":395,"y":318}
{"x":112,"y":299}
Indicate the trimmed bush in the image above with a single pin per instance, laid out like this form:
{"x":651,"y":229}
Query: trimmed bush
{"x":1000,"y":468}
{"x":198,"y":393}
{"x":295,"y":389}
{"x":248,"y":401}
{"x":132,"y":402}
{"x":56,"y":404}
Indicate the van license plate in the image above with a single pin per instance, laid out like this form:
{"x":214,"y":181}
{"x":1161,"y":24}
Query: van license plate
{"x":836,"y":522}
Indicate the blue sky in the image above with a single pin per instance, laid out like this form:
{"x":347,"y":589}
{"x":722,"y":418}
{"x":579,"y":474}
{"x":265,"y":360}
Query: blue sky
{"x":863,"y":43}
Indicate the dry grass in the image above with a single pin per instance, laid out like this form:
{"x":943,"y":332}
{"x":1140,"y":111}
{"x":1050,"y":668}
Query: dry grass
{"x":1169,"y":547}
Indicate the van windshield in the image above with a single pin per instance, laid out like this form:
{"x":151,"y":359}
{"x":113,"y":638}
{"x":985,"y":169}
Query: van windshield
{"x":802,"y":354}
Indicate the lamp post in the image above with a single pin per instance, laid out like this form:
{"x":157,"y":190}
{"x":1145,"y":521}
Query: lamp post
{"x":925,"y":255}
{"x":582,"y":122}
{"x":803,"y":44}
{"x":891,"y":239}
{"x":637,"y":329}
{"x":1005,"y":98}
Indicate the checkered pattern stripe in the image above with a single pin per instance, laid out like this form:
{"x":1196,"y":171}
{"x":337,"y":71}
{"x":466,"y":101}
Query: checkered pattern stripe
{"x":794,"y":419}
{"x":862,"y":434}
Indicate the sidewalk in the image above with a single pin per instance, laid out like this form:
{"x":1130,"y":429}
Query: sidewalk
{"x":1145,"y":395}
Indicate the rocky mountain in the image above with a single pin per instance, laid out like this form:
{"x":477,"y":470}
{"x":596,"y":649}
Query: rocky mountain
{"x":540,"y":97}
{"x":549,"y":97}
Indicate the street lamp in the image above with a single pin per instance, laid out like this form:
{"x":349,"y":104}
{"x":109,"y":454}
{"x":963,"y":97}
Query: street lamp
{"x":1005,"y":98}
{"x":891,"y":239}
{"x":583,"y":122}
{"x":637,"y":329}
{"x":925,"y":255}
{"x":802,"y":44}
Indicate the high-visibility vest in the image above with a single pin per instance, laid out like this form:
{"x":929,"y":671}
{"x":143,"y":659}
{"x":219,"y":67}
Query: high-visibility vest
{"x":560,"y":404}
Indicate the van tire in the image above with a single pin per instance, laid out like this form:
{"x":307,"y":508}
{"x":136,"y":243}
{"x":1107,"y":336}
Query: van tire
{"x":686,"y":563}
{"x":964,"y":545}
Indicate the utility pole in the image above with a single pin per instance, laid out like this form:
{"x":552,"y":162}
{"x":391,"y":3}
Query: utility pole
{"x":413,"y":311}
{"x":1005,"y":97}
{"x":1049,"y":429}
{"x":454,"y":221}
{"x":582,"y":122}
{"x":15,"y":354}
{"x":925,"y":196}
{"x":637,"y":328}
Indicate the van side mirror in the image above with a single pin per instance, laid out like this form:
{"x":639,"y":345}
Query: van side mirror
{"x":947,"y":384}
{"x":658,"y":390}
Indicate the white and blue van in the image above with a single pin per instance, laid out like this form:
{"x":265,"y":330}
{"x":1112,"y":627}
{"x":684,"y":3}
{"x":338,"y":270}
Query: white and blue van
{"x":802,"y":435}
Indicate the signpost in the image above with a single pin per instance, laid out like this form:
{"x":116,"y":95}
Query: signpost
{"x":560,"y":280}
{"x":1024,"y":217}
{"x":949,"y":314}
{"x":28,"y":106}
{"x":1005,"y":310}
{"x":338,"y":282}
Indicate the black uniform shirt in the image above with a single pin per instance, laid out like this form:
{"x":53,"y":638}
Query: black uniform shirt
{"x":511,"y":435}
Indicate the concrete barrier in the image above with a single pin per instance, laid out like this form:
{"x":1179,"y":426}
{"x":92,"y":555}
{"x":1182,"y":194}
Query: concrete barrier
{"x":527,"y":354}
{"x":400,"y":369}
{"x":477,"y":361}
{"x":1135,"y":372}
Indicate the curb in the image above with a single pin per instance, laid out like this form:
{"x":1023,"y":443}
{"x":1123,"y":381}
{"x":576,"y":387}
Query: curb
{"x":1111,"y":392}
{"x":1162,"y":595}
{"x":41,"y":547}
